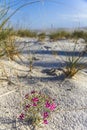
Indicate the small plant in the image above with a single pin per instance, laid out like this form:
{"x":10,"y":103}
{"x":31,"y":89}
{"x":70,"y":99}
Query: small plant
{"x":73,"y":64}
{"x":72,"y":68}
{"x":8,"y":48}
{"x":30,"y":59}
{"x":31,"y":64}
{"x":37,"y":108}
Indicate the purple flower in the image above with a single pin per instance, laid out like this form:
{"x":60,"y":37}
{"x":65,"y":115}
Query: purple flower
{"x":52,"y":106}
{"x":21,"y":117}
{"x":32,"y":92}
{"x":35,"y":99}
{"x":34,"y":104}
{"x":27,"y":106}
{"x":47,"y":104}
{"x":45,"y":115}
{"x":45,"y":121}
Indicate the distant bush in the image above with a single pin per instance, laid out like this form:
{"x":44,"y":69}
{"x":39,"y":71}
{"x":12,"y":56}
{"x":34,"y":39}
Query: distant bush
{"x":41,"y":36}
{"x":26,"y":33}
{"x":59,"y":35}
{"x":79,"y":34}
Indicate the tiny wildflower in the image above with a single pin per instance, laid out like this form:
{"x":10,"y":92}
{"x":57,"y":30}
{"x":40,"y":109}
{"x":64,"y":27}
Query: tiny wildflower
{"x":53,"y":106}
{"x":21,"y":117}
{"x":35,"y":99}
{"x":34,"y":104}
{"x":33,"y":92}
{"x":37,"y":107}
{"x":45,"y":115}
{"x":45,"y":121}
{"x":47,"y":105}
{"x":27,"y":106}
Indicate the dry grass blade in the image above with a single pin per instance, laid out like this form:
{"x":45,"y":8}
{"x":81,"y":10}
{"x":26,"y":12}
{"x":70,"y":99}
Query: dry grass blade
{"x":73,"y":58}
{"x":8,"y":48}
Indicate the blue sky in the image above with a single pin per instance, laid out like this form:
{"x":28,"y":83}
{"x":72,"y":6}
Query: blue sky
{"x":52,"y":13}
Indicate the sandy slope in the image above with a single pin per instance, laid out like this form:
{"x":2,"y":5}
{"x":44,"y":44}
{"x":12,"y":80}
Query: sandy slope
{"x":71,"y":94}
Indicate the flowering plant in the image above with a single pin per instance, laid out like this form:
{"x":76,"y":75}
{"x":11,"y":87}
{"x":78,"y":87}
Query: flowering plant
{"x":37,"y":108}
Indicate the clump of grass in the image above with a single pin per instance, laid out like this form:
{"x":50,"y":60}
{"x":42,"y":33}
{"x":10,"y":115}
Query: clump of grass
{"x":41,"y":36}
{"x":73,"y":67}
{"x":59,"y":35}
{"x":73,"y":64}
{"x":3,"y":34}
{"x":8,"y":48}
{"x":26,"y":33}
{"x":79,"y":34}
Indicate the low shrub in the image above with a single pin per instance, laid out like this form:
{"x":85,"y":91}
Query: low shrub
{"x":37,"y":108}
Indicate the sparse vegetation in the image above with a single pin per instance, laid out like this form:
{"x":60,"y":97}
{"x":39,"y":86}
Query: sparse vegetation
{"x":41,"y":36}
{"x":73,"y":64}
{"x":37,"y":108}
{"x":79,"y":34}
{"x":26,"y":33}
{"x":59,"y":35}
{"x":68,"y":35}
{"x":8,"y":48}
{"x":72,"y":68}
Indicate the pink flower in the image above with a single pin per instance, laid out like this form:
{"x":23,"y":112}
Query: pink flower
{"x":27,"y":106}
{"x":32,"y":92}
{"x":35,"y":99}
{"x":45,"y":115}
{"x":45,"y":121}
{"x":27,"y":96}
{"x":21,"y":117}
{"x":52,"y":106}
{"x":47,"y":105}
{"x":34,"y":104}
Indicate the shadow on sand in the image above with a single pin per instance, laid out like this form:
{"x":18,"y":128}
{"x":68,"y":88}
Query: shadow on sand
{"x":14,"y":124}
{"x":58,"y":52}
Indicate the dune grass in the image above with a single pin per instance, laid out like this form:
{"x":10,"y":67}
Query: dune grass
{"x":41,"y":36}
{"x":59,"y":35}
{"x":73,"y":67}
{"x":73,"y":63}
{"x":68,"y":35}
{"x":25,"y":33}
{"x":79,"y":34}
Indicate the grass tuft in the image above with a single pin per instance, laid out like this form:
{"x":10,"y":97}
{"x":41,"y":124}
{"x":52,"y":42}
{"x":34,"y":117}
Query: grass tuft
{"x":26,"y":33}
{"x":41,"y":36}
{"x":73,"y":64}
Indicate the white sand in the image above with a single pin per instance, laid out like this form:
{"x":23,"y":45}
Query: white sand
{"x":71,"y":94}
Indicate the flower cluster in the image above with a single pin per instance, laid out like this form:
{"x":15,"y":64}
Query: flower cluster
{"x":37,"y":107}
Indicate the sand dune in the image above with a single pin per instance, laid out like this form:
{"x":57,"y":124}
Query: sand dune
{"x":71,"y":94}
